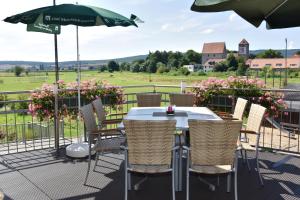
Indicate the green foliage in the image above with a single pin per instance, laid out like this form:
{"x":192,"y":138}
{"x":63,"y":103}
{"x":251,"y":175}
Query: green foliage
{"x":220,"y":67}
{"x":270,"y":54}
{"x":184,"y":71}
{"x":201,"y":73}
{"x":18,"y":70}
{"x":3,"y":97}
{"x":113,"y":66}
{"x":23,"y":105}
{"x":242,"y":69}
{"x":162,"y":68}
{"x":125,"y":66}
{"x":103,"y":68}
{"x":193,"y":57}
{"x":231,"y":62}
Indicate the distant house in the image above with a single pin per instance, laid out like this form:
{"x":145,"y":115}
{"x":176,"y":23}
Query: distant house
{"x":216,"y":50}
{"x":191,"y":68}
{"x":210,"y":64}
{"x":274,"y":63}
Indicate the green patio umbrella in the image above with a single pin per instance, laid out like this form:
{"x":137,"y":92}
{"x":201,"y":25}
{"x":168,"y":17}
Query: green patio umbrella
{"x":49,"y":19}
{"x":276,"y":13}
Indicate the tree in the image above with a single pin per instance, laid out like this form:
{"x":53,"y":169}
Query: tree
{"x":18,"y":70}
{"x":125,"y":66}
{"x":232,"y":62}
{"x":193,"y":57}
{"x":270,"y":54}
{"x":113,"y":66}
{"x":242,"y":69}
{"x":161,"y":68}
{"x":297,"y":53}
{"x":220,"y":67}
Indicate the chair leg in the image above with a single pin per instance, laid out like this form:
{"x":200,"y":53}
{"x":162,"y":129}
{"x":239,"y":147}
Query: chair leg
{"x":235,"y":177}
{"x":258,"y":170}
{"x":173,"y":184}
{"x":187,"y":176}
{"x":89,"y":165}
{"x":96,"y":162}
{"x":126,"y":184}
{"x":243,"y":159}
{"x":247,"y":160}
{"x":228,"y":182}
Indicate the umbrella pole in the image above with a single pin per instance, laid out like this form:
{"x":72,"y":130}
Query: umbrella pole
{"x":78,"y":79}
{"x":56,"y":118}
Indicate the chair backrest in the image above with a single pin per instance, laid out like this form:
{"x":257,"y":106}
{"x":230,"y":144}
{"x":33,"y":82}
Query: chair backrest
{"x":150,"y":142}
{"x":239,"y":108}
{"x":88,"y":116}
{"x":255,"y":117}
{"x":99,"y":110}
{"x":213,"y":142}
{"x":185,"y":100}
{"x":148,"y":100}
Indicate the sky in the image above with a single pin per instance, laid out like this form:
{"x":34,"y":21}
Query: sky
{"x":168,"y":25}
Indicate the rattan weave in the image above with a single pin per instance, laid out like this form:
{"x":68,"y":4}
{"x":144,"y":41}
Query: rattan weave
{"x":213,"y":143}
{"x":239,"y":108}
{"x":99,"y":110}
{"x":150,"y":144}
{"x":148,"y":100}
{"x":255,"y":117}
{"x":185,"y":100}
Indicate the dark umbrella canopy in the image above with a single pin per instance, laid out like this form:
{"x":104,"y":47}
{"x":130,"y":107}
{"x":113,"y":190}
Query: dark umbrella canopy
{"x":277,"y":13}
{"x":66,"y":14}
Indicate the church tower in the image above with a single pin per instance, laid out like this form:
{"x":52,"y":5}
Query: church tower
{"x":244,"y":49}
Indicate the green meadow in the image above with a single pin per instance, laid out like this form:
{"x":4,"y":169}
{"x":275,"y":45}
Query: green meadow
{"x":9,"y":82}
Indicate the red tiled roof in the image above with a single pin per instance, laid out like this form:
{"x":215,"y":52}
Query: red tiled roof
{"x":216,"y":47}
{"x":276,"y":63}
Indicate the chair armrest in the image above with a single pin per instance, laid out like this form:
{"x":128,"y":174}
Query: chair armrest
{"x":228,"y":118}
{"x":175,"y":147}
{"x":106,"y":132}
{"x":248,"y":132}
{"x":116,"y":114}
{"x":111,"y":121}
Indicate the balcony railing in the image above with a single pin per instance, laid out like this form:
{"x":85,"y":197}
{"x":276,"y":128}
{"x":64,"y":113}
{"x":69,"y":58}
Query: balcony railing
{"x":23,"y":132}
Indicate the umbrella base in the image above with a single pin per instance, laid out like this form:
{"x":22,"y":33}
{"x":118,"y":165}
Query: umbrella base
{"x":78,"y":150}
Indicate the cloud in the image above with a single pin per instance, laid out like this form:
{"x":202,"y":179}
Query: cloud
{"x":232,"y":16}
{"x":291,"y":45}
{"x":165,"y":27}
{"x":207,"y":31}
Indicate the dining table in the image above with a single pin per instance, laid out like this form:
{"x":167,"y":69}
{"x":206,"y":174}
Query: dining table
{"x":181,"y":115}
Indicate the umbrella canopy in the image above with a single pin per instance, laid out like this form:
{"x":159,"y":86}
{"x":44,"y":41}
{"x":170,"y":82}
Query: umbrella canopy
{"x":276,"y":13}
{"x":66,"y":14}
{"x":48,"y":19}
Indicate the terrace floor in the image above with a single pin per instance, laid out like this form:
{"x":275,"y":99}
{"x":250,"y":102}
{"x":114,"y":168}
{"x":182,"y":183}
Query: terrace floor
{"x":43,"y":175}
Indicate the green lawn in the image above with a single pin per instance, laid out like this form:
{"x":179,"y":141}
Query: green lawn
{"x":8,"y":82}
{"x":34,"y":81}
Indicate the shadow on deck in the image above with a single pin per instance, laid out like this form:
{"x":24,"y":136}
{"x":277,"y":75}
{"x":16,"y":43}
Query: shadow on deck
{"x":43,"y":175}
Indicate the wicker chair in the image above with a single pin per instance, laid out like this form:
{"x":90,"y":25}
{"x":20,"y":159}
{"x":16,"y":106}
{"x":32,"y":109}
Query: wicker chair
{"x":100,"y":140}
{"x":183,"y":100}
{"x":238,"y":110}
{"x":212,"y":150}
{"x":148,"y":100}
{"x":150,"y":149}
{"x":253,"y":125}
{"x":103,"y":122}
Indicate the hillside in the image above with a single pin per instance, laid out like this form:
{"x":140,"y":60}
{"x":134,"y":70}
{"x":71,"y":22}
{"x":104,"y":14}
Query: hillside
{"x":8,"y":64}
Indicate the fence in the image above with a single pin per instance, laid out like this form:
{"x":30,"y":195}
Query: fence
{"x":23,"y":132}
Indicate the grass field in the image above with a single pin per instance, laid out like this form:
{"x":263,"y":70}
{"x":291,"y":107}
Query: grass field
{"x":8,"y":82}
